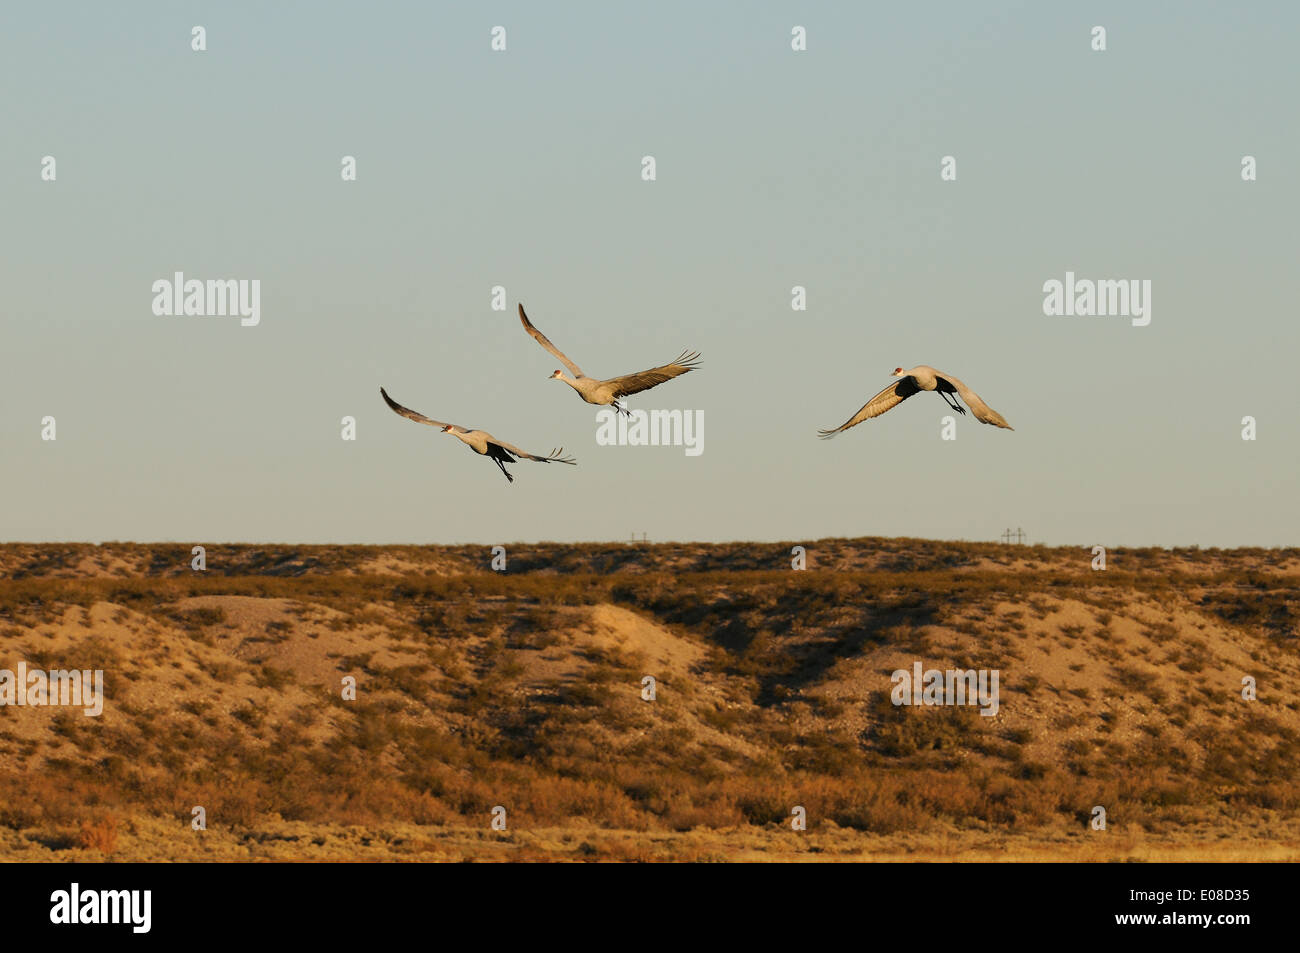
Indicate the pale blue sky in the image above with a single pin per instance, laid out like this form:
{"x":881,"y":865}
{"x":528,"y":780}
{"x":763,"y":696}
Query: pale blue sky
{"x":522,"y":169}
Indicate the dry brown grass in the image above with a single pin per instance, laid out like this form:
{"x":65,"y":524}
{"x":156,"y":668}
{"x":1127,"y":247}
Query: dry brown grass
{"x":99,"y":834}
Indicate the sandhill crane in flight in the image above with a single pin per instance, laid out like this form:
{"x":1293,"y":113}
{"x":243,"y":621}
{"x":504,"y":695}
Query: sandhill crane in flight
{"x":923,"y":377}
{"x":480,"y":442}
{"x":608,"y":392}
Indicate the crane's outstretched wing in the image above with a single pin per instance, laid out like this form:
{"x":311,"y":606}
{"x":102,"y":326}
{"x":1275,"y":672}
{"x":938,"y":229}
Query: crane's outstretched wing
{"x":983,"y":412}
{"x":411,"y":414}
{"x":635,"y":383}
{"x":890,"y":397}
{"x":553,"y":457}
{"x":545,"y":342}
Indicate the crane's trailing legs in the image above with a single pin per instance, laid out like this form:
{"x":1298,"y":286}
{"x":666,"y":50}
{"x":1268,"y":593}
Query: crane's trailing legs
{"x":946,"y":390}
{"x":500,"y":456}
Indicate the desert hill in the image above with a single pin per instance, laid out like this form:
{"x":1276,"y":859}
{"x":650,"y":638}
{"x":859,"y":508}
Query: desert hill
{"x":476,"y":688}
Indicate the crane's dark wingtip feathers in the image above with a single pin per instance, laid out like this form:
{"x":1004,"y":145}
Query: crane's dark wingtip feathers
{"x":689,"y":360}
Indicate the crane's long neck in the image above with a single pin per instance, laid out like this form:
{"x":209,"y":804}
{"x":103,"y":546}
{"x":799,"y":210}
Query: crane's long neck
{"x":568,"y":380}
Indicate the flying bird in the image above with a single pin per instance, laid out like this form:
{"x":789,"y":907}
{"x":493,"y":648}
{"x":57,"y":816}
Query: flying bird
{"x":923,"y":377}
{"x":608,"y":392}
{"x":479,"y":441}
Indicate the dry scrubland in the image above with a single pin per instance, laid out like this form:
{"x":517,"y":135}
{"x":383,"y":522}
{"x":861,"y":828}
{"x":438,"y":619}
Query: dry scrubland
{"x":1119,"y":688}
